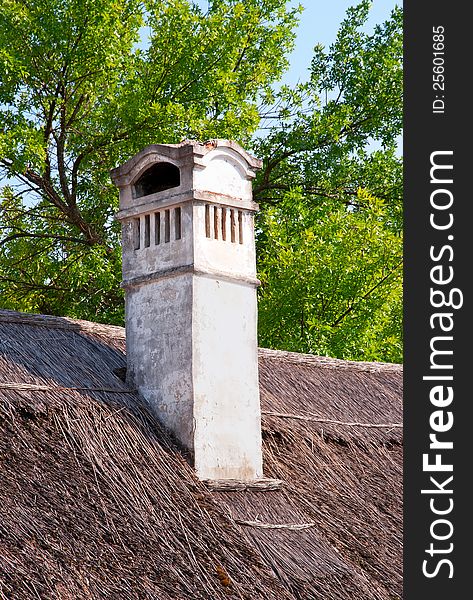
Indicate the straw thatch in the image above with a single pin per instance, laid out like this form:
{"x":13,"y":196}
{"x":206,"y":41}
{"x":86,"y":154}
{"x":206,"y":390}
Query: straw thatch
{"x":96,"y":501}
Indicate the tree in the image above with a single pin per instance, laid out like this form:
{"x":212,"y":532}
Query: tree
{"x":329,"y":233}
{"x":79,"y":95}
{"x":331,"y":280}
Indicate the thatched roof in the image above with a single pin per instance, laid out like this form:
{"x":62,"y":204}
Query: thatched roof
{"x":96,"y":501}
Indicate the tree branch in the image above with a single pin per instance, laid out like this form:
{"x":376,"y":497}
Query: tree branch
{"x":25,"y":234}
{"x":70,"y":211}
{"x":365,"y":296}
{"x":33,"y":286}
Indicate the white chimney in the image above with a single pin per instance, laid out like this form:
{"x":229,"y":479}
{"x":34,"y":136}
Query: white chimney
{"x":189,"y":272}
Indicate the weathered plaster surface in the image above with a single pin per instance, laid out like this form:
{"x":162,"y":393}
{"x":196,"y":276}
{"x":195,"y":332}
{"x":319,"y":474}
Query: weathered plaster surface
{"x":225,"y":377}
{"x":191,"y":302}
{"x":166,"y":255}
{"x":223,"y":171}
{"x":219,"y":255}
{"x":159,"y":350}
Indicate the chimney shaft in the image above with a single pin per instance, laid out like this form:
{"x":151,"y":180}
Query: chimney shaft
{"x":189,"y":272}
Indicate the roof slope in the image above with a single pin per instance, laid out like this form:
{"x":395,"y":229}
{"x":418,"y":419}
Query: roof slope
{"x":96,"y":501}
{"x":344,"y":478}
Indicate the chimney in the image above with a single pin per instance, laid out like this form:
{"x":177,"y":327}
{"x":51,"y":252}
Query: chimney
{"x":189,"y":272}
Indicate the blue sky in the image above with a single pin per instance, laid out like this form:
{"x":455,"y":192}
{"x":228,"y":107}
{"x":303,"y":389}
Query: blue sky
{"x":319,"y":25}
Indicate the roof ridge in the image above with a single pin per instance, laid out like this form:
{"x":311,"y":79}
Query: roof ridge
{"x":53,"y":322}
{"x":328,"y":362}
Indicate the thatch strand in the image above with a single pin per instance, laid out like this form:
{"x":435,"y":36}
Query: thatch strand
{"x":289,"y":526}
{"x":332,"y":421}
{"x":233,"y":485}
{"x":31,"y":387}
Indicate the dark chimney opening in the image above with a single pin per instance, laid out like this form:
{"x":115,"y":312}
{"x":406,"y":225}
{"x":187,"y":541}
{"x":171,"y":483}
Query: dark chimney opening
{"x":159,"y":177}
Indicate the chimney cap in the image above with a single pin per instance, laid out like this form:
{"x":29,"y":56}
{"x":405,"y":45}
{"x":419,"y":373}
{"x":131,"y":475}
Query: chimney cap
{"x":123,"y":174}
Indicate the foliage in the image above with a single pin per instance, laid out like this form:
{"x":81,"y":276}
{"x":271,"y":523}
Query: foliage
{"x":331,"y":280}
{"x":78,"y":96}
{"x":329,"y":234}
